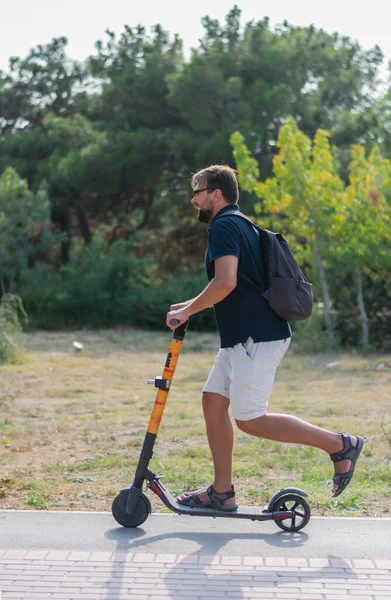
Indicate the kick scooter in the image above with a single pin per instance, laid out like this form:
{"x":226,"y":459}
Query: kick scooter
{"x":131,"y":507}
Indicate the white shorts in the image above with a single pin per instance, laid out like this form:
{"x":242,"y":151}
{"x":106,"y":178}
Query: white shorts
{"x":245,"y":375}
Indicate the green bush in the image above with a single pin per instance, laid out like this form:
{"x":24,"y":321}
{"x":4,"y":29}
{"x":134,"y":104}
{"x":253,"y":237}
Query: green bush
{"x":11,"y":336}
{"x":378,"y":309}
{"x":105,"y":286}
{"x":99,"y":287}
{"x":311,"y":335}
{"x":157,"y":297}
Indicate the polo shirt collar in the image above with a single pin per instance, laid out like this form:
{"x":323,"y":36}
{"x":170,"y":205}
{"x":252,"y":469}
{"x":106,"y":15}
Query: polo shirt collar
{"x":228,"y":208}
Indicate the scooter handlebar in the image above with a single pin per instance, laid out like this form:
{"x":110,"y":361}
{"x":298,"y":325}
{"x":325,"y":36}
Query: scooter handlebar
{"x":179,"y":332}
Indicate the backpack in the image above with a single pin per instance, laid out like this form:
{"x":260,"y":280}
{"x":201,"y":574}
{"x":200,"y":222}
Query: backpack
{"x":287,"y":290}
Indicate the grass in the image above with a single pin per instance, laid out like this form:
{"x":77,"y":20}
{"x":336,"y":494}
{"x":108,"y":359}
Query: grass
{"x":72,"y":424}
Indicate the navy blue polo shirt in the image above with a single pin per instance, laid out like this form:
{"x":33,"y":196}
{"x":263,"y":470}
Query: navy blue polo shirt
{"x":244,"y":312}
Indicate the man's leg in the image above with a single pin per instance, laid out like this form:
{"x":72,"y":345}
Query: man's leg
{"x":221,"y":441}
{"x":290,"y":429}
{"x":220,"y":437}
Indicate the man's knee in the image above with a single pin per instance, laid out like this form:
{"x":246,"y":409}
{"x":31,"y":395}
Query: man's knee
{"x":214,"y":404}
{"x":251,"y":426}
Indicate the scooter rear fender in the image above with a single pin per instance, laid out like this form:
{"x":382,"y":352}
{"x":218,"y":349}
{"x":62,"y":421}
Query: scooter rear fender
{"x":283,"y":492}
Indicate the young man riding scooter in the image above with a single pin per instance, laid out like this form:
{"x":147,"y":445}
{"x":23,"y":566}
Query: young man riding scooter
{"x":254,"y":340}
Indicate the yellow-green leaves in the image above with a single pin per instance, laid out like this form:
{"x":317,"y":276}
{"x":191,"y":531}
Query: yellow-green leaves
{"x":307,"y":199}
{"x":366,"y":228}
{"x":306,"y":188}
{"x":247,"y":165}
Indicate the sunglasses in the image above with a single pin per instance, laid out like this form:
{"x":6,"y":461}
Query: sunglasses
{"x":195,"y":192}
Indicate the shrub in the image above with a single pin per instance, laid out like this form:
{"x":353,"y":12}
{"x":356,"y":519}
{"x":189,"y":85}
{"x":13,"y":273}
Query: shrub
{"x":11,"y":336}
{"x":311,"y":335}
{"x":98,"y":288}
{"x":156,"y":298}
{"x":102,"y":287}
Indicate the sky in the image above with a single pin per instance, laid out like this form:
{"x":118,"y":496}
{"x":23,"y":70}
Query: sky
{"x":26,"y":23}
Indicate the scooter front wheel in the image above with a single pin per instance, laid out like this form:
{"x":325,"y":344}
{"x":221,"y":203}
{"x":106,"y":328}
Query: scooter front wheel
{"x":141,"y":511}
{"x":298,"y":506}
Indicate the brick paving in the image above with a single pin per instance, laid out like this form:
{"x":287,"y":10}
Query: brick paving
{"x":66,"y":575}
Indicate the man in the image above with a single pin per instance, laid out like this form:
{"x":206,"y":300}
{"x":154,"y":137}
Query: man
{"x":253,"y":342}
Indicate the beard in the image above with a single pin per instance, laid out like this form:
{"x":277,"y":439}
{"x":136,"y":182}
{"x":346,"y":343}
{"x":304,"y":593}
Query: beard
{"x":205,"y":216}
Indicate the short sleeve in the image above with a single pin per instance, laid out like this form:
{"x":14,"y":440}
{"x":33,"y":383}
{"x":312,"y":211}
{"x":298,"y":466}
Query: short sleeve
{"x":224,"y":239}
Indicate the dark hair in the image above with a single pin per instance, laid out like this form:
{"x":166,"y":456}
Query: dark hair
{"x":219,"y":177}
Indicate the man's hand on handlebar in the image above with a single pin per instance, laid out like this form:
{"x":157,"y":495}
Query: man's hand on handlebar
{"x":175,"y":318}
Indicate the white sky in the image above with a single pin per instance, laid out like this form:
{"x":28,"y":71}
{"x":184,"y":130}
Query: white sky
{"x":26,"y":23}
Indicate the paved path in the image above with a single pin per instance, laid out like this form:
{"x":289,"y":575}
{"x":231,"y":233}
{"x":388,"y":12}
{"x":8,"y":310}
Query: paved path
{"x":86,"y":556}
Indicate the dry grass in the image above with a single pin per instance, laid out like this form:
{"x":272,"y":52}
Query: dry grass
{"x":71,"y":424}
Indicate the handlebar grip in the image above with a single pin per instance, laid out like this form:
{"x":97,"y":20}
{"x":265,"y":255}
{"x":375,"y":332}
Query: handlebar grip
{"x":179,"y":332}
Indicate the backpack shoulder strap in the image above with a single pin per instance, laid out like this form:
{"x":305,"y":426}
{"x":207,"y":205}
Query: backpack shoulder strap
{"x":264,"y":240}
{"x":237,"y":213}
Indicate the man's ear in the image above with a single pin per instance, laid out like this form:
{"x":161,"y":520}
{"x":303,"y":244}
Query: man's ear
{"x":218,"y":195}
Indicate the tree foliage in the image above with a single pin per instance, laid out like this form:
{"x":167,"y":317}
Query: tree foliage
{"x":350,"y":226}
{"x":24,"y":226}
{"x":116,"y":138}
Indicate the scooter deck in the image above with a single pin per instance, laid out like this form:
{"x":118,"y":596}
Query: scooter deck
{"x":255,"y":513}
{"x":245,"y":512}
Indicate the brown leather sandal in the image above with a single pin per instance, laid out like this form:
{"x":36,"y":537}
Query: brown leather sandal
{"x":216,"y":500}
{"x":348,"y":452}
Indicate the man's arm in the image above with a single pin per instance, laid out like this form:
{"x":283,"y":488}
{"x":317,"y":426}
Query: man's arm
{"x":181,"y":305}
{"x":224,"y":281}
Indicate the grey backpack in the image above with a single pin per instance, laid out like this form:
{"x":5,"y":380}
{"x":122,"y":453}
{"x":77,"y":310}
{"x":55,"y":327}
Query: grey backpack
{"x":287,"y":290}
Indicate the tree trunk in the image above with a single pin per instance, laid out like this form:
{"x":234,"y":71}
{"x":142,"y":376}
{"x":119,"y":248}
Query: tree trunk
{"x":118,"y":233}
{"x":325,"y":293}
{"x":147,"y":211}
{"x":361,"y":308}
{"x":83,"y":224}
{"x":63,"y":220}
{"x":60,"y":216}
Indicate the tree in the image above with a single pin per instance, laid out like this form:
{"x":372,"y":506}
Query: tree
{"x":329,"y":75}
{"x":133,"y":112}
{"x":45,"y":81}
{"x":348,"y":228}
{"x":305,"y":193}
{"x":24,"y":227}
{"x":251,"y":78}
{"x":98,"y":136}
{"x":117,"y":137}
{"x":78,"y":172}
{"x":363,"y":226}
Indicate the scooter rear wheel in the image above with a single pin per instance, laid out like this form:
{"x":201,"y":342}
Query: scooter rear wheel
{"x":296,"y":504}
{"x":140,"y":514}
